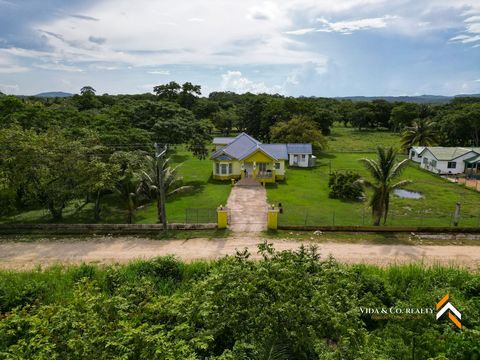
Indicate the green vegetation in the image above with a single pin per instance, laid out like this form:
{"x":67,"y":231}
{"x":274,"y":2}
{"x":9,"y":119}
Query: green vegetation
{"x":195,"y":173}
{"x":305,"y":197}
{"x":289,"y":305}
{"x":348,"y":139}
{"x":345,"y":185}
{"x":384,"y":170}
{"x":298,"y":130}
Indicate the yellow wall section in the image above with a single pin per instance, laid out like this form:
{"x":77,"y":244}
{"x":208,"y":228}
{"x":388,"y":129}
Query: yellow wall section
{"x":222,"y":218}
{"x":258,"y":156}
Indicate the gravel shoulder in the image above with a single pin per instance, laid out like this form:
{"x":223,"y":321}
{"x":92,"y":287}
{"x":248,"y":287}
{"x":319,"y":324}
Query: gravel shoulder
{"x":108,"y":250}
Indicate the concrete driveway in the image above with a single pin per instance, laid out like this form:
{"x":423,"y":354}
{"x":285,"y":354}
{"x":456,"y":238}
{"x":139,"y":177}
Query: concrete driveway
{"x":248,"y":208}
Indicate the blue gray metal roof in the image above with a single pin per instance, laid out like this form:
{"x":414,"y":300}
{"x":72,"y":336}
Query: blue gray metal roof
{"x":278,"y":151}
{"x":222,"y":140}
{"x":299,"y":148}
{"x":243,"y":145}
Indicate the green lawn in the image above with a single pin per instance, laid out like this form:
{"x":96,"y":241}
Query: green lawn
{"x":206,"y":193}
{"x":349,"y":139}
{"x":304,"y":196}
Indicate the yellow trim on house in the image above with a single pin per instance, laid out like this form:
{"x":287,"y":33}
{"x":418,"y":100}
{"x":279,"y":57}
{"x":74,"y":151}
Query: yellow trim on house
{"x":259,"y":156}
{"x":225,"y":177}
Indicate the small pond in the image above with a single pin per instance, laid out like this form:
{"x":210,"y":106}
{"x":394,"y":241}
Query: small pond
{"x":407,"y":194}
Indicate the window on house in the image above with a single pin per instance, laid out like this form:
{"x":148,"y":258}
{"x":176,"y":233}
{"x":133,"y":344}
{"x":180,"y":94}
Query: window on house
{"x":217,"y":168}
{"x":303,"y":157}
{"x":452,"y":165}
{"x":425,"y":160}
{"x":224,"y":169}
{"x":412,"y":154}
{"x":434,"y":163}
{"x":277,"y":166}
{"x":230,"y":168}
{"x":262,"y":167}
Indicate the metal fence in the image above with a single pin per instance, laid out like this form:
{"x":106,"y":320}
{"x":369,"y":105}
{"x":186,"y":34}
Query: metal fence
{"x":200,"y":215}
{"x":309,"y":216}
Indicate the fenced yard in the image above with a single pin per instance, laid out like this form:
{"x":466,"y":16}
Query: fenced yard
{"x":305,"y":198}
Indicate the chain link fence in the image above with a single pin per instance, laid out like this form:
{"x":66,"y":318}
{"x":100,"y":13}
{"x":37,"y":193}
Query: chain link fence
{"x":200,"y":215}
{"x":310,"y":216}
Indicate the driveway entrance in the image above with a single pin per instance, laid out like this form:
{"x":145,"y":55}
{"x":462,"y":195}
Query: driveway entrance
{"x":247,"y":208}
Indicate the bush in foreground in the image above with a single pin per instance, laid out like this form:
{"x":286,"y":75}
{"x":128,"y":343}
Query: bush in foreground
{"x":289,"y":305}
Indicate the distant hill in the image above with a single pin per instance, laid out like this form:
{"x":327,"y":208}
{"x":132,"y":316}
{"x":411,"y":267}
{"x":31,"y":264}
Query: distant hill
{"x":422,"y":99}
{"x":54,"y":94}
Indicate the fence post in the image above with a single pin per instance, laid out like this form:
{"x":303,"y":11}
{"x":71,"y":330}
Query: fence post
{"x":222,"y":217}
{"x":272,"y":218}
{"x":456,"y":218}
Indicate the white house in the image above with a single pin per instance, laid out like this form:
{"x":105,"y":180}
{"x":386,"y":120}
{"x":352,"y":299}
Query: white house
{"x":448,"y":160}
{"x":300,"y":155}
{"x":415,"y":153}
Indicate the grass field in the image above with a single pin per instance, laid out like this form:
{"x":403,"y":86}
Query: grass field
{"x":348,"y":139}
{"x":304,"y":196}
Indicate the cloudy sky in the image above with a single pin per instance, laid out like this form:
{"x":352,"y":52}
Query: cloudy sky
{"x":291,"y":47}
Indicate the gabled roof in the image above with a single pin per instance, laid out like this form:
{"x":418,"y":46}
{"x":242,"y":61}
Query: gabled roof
{"x":447,"y":153}
{"x":418,"y":149}
{"x":473,"y":160}
{"x":244,"y":145}
{"x":278,"y":151}
{"x":222,"y":140}
{"x":299,"y":148}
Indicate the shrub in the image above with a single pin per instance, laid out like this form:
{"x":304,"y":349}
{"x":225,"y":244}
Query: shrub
{"x":345,"y":185}
{"x":20,"y":293}
{"x":83,"y":271}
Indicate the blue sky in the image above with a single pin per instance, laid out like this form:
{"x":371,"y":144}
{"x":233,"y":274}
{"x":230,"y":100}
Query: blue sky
{"x":291,"y":47}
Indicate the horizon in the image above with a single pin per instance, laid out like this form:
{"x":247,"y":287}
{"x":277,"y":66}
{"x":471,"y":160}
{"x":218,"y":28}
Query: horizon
{"x":293,"y":48}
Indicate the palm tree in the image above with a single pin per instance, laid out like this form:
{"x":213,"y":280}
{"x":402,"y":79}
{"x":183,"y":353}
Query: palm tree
{"x":422,"y":133}
{"x":384,"y":171}
{"x":151,"y":181}
{"x":129,"y":187}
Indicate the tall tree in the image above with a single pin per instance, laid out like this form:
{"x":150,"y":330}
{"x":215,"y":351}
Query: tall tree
{"x":172,"y":182}
{"x":423,"y":132}
{"x":299,"y":129}
{"x":168,"y":91}
{"x":87,"y":90}
{"x":128,"y":182}
{"x":384,"y":171}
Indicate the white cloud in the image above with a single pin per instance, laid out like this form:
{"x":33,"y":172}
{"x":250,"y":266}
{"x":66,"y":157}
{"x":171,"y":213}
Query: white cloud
{"x":348,"y":26}
{"x":159,"y":72}
{"x":300,"y":31}
{"x":9,"y":66}
{"x":58,"y":67}
{"x":9,"y":89}
{"x":236,"y":82}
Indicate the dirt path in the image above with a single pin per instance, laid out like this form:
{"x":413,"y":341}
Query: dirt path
{"x":27,"y":255}
{"x":248,"y":209}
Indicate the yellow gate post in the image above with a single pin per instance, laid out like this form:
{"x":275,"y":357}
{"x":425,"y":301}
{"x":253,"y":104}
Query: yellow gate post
{"x":272,"y":219}
{"x":222,"y":217}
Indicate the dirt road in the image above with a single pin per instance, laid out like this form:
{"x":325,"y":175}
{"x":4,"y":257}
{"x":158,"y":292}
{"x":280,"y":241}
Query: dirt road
{"x":27,"y":255}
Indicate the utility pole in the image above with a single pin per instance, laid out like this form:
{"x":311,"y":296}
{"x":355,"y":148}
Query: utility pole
{"x":159,"y":154}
